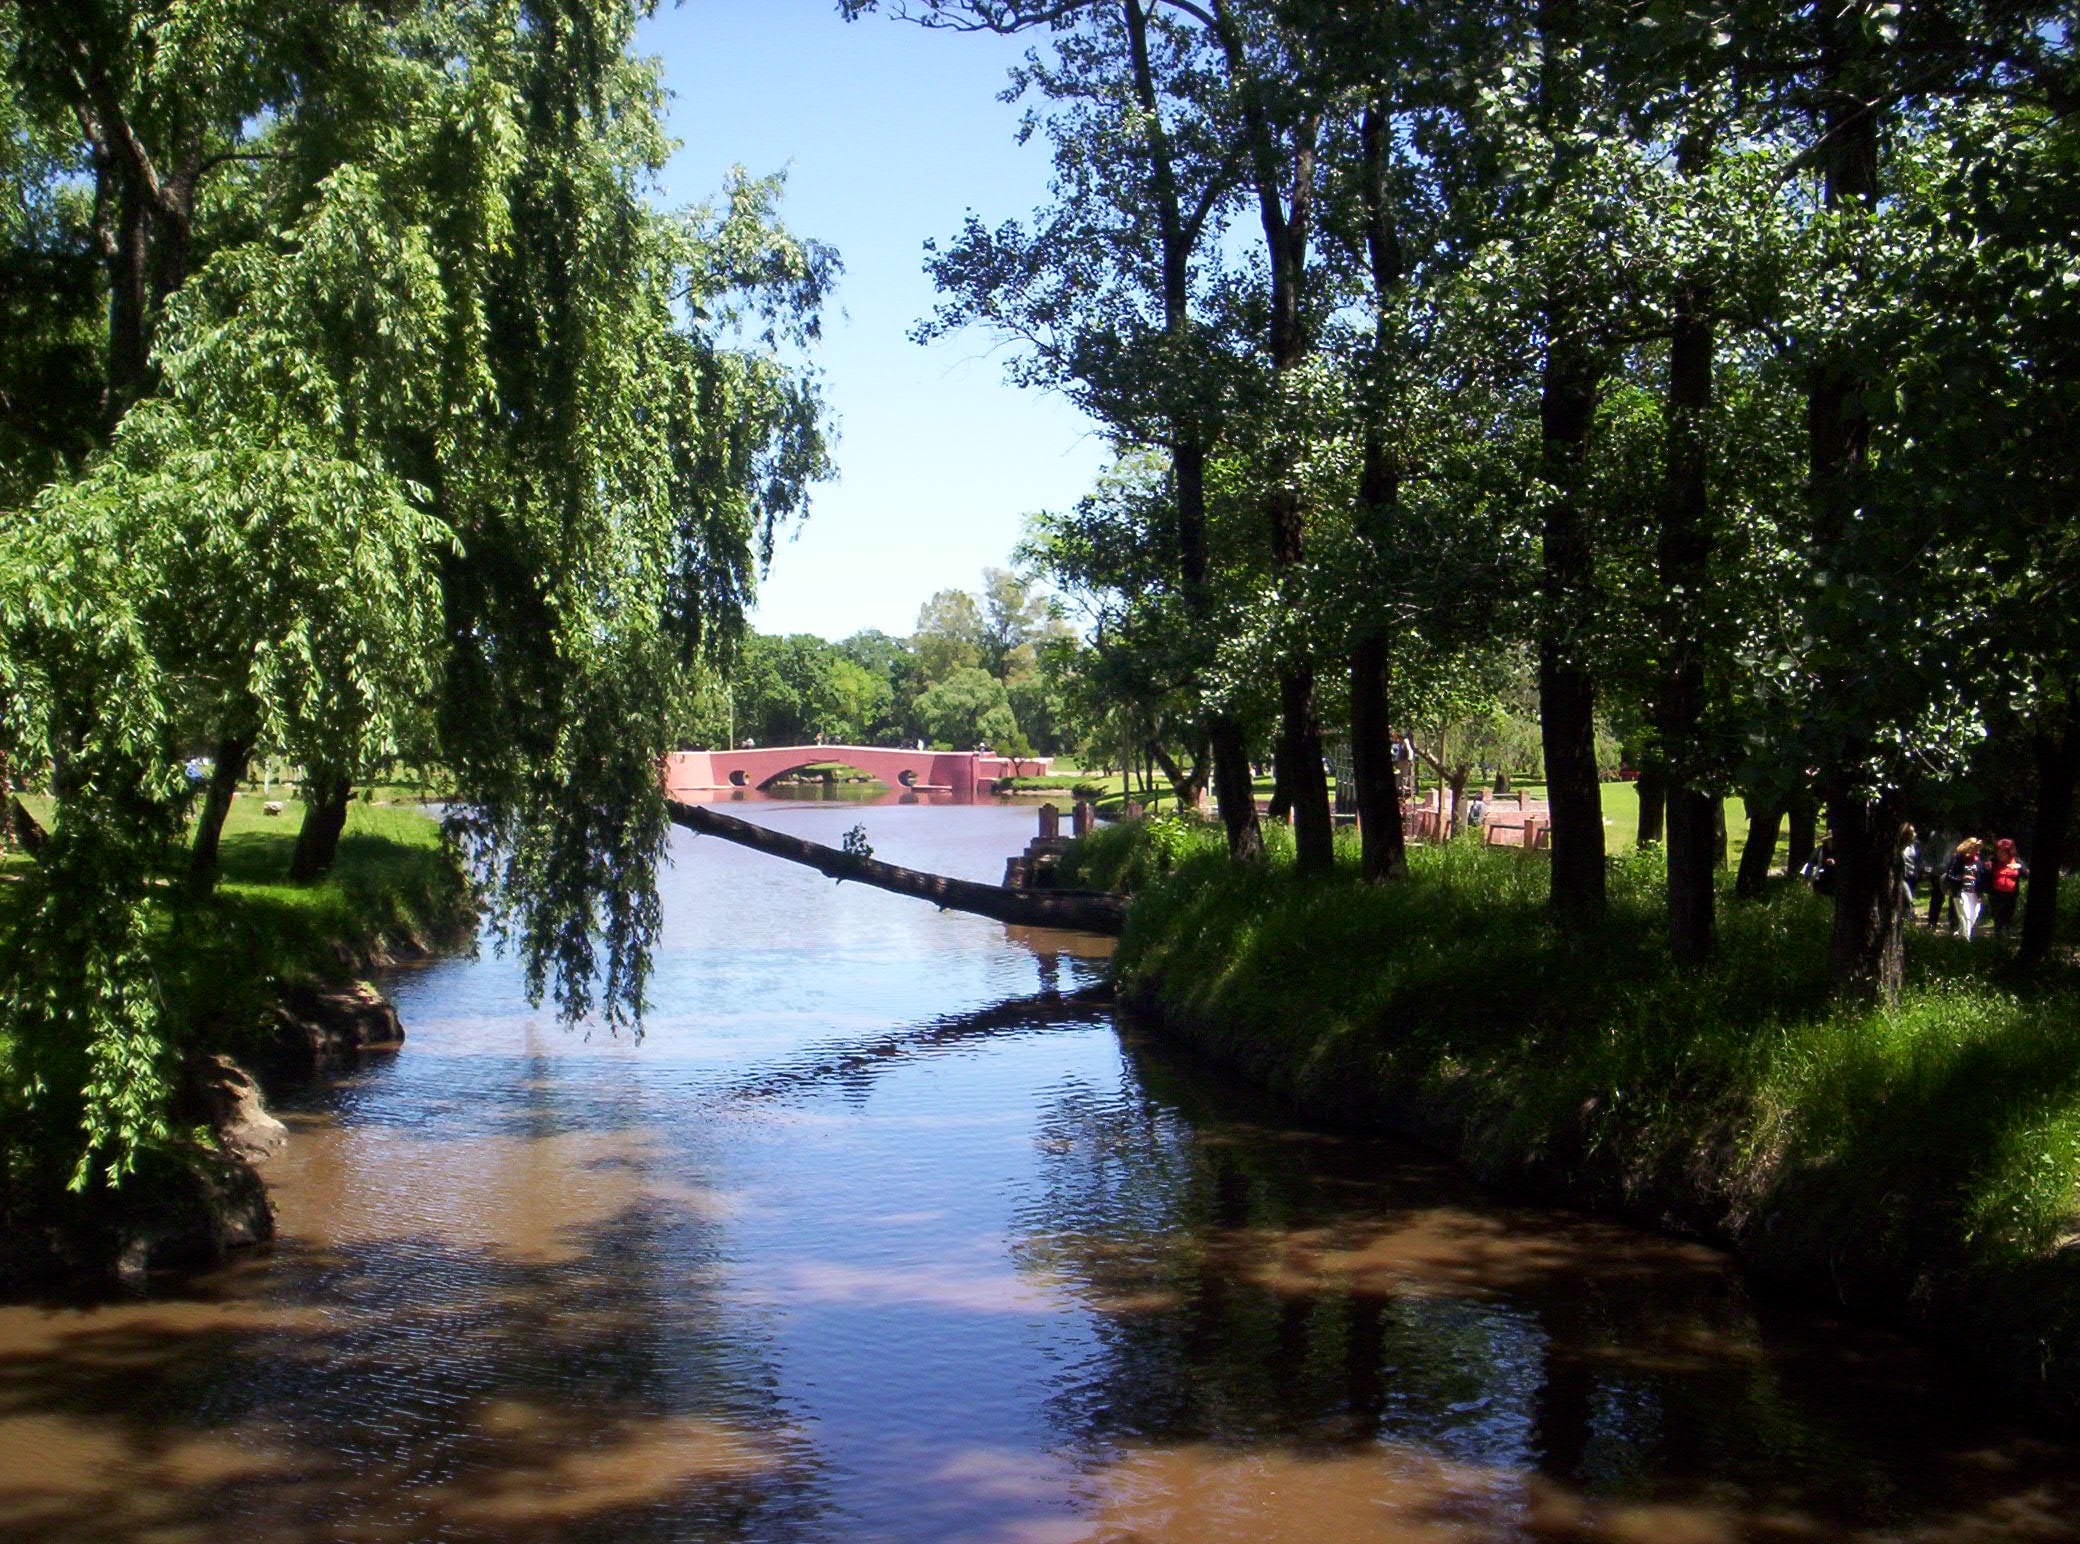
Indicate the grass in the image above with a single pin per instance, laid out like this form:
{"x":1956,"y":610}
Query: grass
{"x":1925,"y":1159}
{"x":1620,"y":803}
{"x":393,"y":879}
{"x":223,"y":961}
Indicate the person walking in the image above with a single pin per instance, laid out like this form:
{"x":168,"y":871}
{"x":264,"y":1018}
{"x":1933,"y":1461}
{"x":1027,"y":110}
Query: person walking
{"x":1969,"y":877}
{"x":2006,"y":876}
{"x":1819,"y":869}
{"x":1940,"y":899}
{"x":1909,"y":871}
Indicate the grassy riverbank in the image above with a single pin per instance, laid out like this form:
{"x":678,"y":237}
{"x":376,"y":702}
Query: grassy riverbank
{"x":1923,"y":1162}
{"x":221,"y":963}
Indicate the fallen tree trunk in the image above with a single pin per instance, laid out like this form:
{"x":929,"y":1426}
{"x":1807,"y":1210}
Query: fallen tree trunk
{"x":1086,"y":911}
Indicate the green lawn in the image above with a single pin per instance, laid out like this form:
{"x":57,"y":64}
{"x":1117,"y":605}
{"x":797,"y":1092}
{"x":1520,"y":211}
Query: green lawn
{"x":221,"y":960}
{"x":1620,"y":805}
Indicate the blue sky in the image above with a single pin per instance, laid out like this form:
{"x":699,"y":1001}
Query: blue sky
{"x":889,"y":135}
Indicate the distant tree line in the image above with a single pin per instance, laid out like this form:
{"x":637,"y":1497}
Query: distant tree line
{"x":982,"y":671}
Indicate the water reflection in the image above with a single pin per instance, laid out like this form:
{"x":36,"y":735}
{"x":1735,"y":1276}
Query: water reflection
{"x":883,"y":1233}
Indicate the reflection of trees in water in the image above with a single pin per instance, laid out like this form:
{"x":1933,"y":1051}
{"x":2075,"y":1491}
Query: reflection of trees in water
{"x":584,"y":1377}
{"x":1247,"y":1288}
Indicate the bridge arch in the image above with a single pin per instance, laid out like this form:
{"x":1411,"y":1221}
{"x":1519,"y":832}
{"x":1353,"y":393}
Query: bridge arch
{"x":963,"y":774}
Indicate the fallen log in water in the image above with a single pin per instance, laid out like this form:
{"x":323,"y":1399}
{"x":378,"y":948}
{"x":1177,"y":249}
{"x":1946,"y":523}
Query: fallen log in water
{"x":1086,"y":911}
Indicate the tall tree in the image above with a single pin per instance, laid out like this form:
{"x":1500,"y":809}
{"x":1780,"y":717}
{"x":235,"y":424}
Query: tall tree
{"x":1114,"y":291}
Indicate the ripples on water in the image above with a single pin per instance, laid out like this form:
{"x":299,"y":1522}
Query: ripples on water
{"x":841,"y":1251}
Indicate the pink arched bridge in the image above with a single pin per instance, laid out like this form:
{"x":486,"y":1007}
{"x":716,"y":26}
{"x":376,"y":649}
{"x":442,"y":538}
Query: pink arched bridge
{"x":964,"y":774}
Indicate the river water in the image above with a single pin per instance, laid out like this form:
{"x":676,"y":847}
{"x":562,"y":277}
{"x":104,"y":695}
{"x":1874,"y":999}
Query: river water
{"x":845,"y":1249}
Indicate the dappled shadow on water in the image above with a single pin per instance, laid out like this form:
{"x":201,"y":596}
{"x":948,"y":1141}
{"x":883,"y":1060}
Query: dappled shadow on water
{"x":1280,"y":1311}
{"x":405,"y":1388}
{"x":983,"y":1277}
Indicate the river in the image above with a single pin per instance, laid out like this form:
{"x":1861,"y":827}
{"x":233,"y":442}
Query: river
{"x":844,"y":1250}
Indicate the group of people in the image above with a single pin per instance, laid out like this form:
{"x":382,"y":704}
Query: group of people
{"x":1975,"y":880}
{"x":1968,"y":881}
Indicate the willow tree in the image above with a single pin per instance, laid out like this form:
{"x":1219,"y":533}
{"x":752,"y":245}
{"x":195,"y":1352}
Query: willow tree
{"x":412,"y":406}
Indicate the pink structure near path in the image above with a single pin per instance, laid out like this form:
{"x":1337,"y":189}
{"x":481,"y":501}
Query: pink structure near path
{"x":964,"y":774}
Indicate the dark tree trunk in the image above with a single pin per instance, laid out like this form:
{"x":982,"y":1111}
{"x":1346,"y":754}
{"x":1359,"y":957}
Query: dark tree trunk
{"x":324,"y":817}
{"x":1765,"y":818}
{"x":1455,"y":781}
{"x":1300,"y":748}
{"x":1865,"y":959}
{"x":1379,"y":496}
{"x":1283,"y":180}
{"x":1185,"y":784}
{"x":1567,"y":404}
{"x":1692,"y":923}
{"x":1566,"y":689}
{"x":1804,"y":831}
{"x":1867,"y":953}
{"x":1234,"y":789}
{"x":1280,"y":805}
{"x":1696,"y":818}
{"x":1372,"y":763}
{"x":1652,"y":787}
{"x":1191,"y":436}
{"x":2058,"y":761}
{"x":224,"y":778}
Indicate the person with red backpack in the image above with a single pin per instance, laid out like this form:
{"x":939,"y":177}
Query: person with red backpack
{"x":2009,"y":872}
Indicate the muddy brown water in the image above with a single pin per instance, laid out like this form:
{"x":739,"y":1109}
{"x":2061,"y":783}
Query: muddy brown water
{"x":844,"y":1251}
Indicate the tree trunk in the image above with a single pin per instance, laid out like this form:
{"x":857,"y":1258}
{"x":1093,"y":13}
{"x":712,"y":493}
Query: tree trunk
{"x":232,"y":754}
{"x":1867,"y":953}
{"x":1566,"y":689}
{"x":1455,"y":781}
{"x":1234,"y":789}
{"x":1089,"y":911}
{"x":1803,"y":832}
{"x":1384,"y":850}
{"x":1280,"y":806}
{"x":1696,"y":818}
{"x":1300,"y":748}
{"x":2058,"y":762}
{"x":1190,"y":434}
{"x":1185,"y":785}
{"x":324,"y":817}
{"x":1692,"y":923}
{"x":8,"y":837}
{"x":1568,"y":707}
{"x":1865,"y":959}
{"x":1372,"y":763}
{"x":1765,"y":818}
{"x":1652,"y":787}
{"x":1283,"y":180}
{"x":1567,"y":404}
